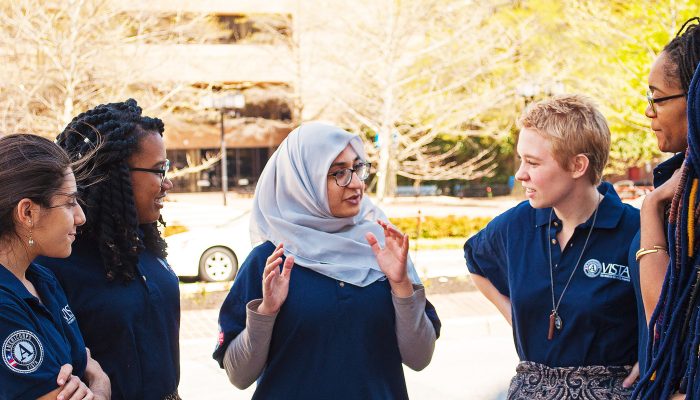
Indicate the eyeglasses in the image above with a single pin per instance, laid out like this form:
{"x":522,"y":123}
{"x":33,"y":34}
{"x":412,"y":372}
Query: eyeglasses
{"x":343,"y":177}
{"x":652,"y":101}
{"x":162,"y":172}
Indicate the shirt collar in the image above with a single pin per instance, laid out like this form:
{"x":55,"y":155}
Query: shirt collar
{"x":609,"y":212}
{"x":10,"y":282}
{"x":665,"y":170}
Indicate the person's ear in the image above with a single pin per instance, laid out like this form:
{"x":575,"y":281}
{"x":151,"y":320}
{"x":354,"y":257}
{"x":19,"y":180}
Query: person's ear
{"x":26,"y":213}
{"x":579,"y":165}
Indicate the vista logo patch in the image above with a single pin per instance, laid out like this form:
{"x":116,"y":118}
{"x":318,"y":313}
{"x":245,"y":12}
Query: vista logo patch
{"x":594,"y":268}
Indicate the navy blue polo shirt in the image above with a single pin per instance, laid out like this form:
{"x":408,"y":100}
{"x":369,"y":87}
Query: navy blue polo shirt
{"x":132,"y":329}
{"x":598,"y":309}
{"x":38,"y":337}
{"x":331,"y":340}
{"x":662,"y":173}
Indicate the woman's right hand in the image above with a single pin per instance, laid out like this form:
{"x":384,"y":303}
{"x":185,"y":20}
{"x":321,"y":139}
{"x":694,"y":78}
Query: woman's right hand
{"x":275,"y":282}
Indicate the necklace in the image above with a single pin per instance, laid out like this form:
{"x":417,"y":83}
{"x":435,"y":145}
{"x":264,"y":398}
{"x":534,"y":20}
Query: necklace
{"x":554,"y":318}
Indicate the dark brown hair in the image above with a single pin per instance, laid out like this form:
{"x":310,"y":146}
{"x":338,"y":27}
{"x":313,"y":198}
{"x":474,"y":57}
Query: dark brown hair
{"x":31,"y":167}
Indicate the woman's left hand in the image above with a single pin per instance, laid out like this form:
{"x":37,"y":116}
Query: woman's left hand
{"x":392,"y":259}
{"x":98,"y":381}
{"x":632,"y":377}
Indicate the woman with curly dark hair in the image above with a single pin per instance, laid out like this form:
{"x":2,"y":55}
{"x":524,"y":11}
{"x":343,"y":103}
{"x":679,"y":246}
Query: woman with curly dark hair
{"x":123,"y":292}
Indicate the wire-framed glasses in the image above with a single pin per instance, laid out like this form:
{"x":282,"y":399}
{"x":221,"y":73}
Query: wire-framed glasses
{"x":343,"y":177}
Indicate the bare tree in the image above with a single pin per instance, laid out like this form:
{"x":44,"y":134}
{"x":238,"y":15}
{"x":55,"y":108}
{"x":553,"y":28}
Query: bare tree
{"x":65,"y":56}
{"x":408,"y":72}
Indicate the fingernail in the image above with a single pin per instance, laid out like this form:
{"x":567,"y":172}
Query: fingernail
{"x":61,"y":381}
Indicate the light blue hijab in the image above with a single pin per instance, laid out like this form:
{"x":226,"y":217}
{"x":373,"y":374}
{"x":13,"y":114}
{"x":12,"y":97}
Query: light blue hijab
{"x":291,"y":207}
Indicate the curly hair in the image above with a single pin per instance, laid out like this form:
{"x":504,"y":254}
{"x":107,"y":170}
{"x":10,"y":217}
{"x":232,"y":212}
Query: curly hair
{"x":107,"y":135}
{"x":684,"y":54}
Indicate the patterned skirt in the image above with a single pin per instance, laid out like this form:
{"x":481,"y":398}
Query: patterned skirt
{"x":538,"y":382}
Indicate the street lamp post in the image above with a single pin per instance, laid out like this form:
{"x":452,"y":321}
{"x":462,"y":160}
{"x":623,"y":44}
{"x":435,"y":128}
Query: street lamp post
{"x":223,"y":104}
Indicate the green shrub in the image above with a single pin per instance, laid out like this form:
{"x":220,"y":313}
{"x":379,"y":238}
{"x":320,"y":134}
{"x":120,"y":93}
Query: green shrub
{"x":441,"y":227}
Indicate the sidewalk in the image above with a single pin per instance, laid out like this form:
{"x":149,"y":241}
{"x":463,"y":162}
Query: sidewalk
{"x":474,"y":357}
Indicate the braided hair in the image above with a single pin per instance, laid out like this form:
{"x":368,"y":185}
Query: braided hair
{"x":684,"y":53}
{"x":674,"y":347}
{"x":107,"y":135}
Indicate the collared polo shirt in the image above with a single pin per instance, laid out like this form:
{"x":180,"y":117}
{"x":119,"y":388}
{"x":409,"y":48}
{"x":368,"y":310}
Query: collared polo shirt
{"x":662,"y":173}
{"x":37,"y":336}
{"x":598,"y":309}
{"x":331,"y":339}
{"x":131,"y":328}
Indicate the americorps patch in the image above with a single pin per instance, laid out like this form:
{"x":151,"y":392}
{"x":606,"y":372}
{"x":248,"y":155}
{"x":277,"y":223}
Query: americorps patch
{"x":22,"y":352}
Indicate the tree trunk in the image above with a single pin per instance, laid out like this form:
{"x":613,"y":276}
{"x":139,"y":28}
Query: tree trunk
{"x":384,"y":174}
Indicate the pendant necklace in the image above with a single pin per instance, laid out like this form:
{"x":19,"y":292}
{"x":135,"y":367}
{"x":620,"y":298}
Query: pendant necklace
{"x":554,"y":318}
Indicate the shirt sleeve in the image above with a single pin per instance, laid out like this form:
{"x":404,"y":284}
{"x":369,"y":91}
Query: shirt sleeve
{"x":486,"y":255}
{"x":30,"y":367}
{"x":415,"y":332}
{"x":246,"y":354}
{"x":246,"y":287}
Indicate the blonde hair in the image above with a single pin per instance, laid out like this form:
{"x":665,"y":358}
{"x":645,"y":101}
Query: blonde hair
{"x":573,"y":125}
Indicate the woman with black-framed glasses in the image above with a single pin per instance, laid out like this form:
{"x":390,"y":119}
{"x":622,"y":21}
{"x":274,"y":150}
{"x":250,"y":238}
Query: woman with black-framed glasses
{"x":329,"y":305}
{"x":653,"y":101}
{"x":125,"y":296}
{"x":669,"y":84}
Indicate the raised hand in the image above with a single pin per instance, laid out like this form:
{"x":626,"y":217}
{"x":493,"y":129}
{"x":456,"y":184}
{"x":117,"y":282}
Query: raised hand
{"x":392,"y":259}
{"x":275,"y":282}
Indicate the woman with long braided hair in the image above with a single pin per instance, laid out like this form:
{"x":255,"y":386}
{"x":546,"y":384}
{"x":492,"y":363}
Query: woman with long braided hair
{"x":673,"y":352}
{"x":123,"y":292}
{"x":669,"y":82}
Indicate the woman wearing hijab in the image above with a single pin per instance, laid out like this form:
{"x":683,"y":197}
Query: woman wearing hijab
{"x":329,"y":305}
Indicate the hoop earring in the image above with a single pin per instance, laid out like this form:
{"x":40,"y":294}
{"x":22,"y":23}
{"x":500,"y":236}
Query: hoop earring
{"x":31,"y":239}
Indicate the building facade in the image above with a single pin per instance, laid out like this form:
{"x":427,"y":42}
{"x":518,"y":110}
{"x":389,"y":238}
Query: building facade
{"x":251,"y":56}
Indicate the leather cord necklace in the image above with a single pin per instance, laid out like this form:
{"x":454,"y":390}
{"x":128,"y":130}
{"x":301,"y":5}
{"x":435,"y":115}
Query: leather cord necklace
{"x":554,"y":318}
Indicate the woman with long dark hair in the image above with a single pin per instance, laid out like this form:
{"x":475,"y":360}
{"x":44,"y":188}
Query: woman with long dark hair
{"x":123,"y":292}
{"x":674,"y":327}
{"x":39,"y":215}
